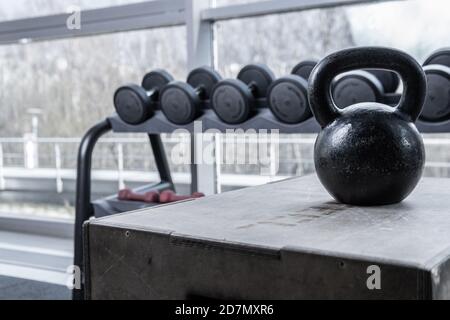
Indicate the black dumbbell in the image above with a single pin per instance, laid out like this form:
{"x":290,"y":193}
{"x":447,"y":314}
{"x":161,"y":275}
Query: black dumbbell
{"x":437,"y":103}
{"x":441,"y":57}
{"x":288,"y":96}
{"x":304,"y":68}
{"x":181,"y":102}
{"x":365,"y":86}
{"x":136,"y":104}
{"x":234,"y":101}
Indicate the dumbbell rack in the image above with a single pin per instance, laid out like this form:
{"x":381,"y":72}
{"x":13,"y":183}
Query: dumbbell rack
{"x":433,"y":127}
{"x":263,"y":119}
{"x":158,"y":124}
{"x":84,"y":207}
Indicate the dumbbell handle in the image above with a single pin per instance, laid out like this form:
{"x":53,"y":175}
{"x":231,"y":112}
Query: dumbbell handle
{"x":152,"y":93}
{"x":170,"y":196}
{"x":253,"y":88}
{"x":200,"y":91}
{"x":129,"y":195}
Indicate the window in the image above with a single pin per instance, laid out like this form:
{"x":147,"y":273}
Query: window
{"x":54,"y":91}
{"x":72,"y":81}
{"x":283,"y":40}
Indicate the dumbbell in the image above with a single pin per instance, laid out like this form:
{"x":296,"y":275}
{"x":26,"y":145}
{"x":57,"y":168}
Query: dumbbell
{"x":170,"y":196}
{"x":235,"y":100}
{"x":441,"y":57}
{"x":304,"y":69}
{"x":181,"y":102}
{"x":437,"y":103}
{"x":365,"y":86}
{"x":288,"y":96}
{"x":129,"y":195}
{"x":136,"y":104}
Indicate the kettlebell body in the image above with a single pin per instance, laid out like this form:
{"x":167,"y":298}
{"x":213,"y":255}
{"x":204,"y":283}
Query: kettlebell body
{"x":368,"y":154}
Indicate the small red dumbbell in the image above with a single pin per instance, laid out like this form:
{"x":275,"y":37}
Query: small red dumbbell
{"x":170,"y":196}
{"x":129,"y":195}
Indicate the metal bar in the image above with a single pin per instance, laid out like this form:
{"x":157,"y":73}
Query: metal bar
{"x":145,"y":15}
{"x":2,"y":174}
{"x":120,"y":166}
{"x":58,"y":165}
{"x":219,"y":161}
{"x":47,"y":227}
{"x":200,"y":49}
{"x":199,"y":35}
{"x":160,"y":158}
{"x":262,"y":8}
{"x":83,"y":209}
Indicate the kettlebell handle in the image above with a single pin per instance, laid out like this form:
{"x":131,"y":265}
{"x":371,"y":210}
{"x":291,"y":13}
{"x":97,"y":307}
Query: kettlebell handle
{"x":413,"y":77}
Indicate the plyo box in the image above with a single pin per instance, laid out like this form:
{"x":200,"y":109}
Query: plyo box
{"x":286,"y":240}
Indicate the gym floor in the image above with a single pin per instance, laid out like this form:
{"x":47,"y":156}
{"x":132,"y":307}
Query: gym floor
{"x":33,"y":266}
{"x":20,"y":289}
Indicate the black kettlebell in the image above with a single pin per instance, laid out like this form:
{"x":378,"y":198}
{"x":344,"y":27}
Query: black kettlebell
{"x":368,"y":154}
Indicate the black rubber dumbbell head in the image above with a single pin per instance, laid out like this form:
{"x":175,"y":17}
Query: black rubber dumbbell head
{"x":356,"y":87}
{"x":437,"y":103}
{"x":181,"y":102}
{"x":288,"y":99}
{"x":441,"y":57}
{"x":288,"y":96}
{"x":258,"y":77}
{"x":135,"y":104}
{"x":304,"y":69}
{"x":132,"y":104}
{"x":234,"y":101}
{"x":156,"y":80}
{"x":389,"y":80}
{"x":204,"y":79}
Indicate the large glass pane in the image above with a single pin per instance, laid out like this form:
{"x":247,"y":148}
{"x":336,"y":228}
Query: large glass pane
{"x":72,"y":81}
{"x":281,"y":41}
{"x":53,"y":92}
{"x":417,"y":26}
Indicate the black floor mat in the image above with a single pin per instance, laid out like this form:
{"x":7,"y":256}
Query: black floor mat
{"x":20,"y":289}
